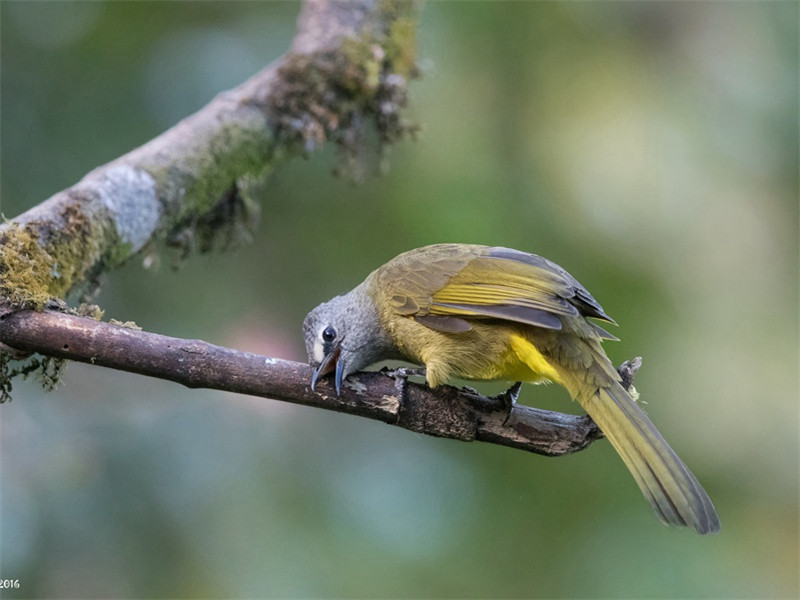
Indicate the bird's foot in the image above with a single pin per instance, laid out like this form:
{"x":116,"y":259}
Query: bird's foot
{"x":509,"y":399}
{"x":401,"y":375}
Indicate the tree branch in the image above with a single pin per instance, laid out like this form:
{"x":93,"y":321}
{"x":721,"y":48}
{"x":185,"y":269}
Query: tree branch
{"x":444,"y":412}
{"x":348,"y":66}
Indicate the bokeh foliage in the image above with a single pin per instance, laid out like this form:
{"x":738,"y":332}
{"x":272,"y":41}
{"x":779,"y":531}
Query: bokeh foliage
{"x":649,"y":148}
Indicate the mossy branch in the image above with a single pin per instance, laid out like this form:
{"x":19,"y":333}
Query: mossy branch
{"x":348,"y":67}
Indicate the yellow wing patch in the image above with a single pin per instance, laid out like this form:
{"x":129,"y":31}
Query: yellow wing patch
{"x":487,"y":295}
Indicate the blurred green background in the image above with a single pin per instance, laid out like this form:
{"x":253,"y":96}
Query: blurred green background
{"x":649,"y":148}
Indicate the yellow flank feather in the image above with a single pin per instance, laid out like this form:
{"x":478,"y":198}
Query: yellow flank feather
{"x":533,"y":363}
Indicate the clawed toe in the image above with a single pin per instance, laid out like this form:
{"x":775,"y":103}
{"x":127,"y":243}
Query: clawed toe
{"x":509,"y":399}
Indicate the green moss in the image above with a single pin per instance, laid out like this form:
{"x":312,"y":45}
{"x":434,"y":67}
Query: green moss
{"x":335,"y":94}
{"x":27,"y":271}
{"x":83,"y":248}
{"x":358,"y":66}
{"x":118,"y":252}
{"x":400,"y":40}
{"x":213,"y":212}
{"x":126,"y":324}
{"x":229,"y":224}
{"x":401,"y":46}
{"x":90,"y":311}
{"x":48,"y":370}
{"x":73,"y":247}
{"x":38,"y":263}
{"x":31,"y":277}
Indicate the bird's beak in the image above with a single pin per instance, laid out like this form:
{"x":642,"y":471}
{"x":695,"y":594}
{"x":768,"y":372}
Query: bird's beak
{"x":330,"y":363}
{"x":339,"y":375}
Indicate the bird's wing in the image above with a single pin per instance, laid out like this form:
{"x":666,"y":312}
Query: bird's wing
{"x":447,"y":288}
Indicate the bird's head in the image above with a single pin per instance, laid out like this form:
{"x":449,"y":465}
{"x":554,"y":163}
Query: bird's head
{"x":343,"y":336}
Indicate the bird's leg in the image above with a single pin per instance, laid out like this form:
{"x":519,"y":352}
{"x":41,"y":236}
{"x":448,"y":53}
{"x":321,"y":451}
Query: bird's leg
{"x":401,"y":375}
{"x":509,"y":399}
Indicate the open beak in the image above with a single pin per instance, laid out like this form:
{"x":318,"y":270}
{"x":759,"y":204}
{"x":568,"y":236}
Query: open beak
{"x":330,"y":363}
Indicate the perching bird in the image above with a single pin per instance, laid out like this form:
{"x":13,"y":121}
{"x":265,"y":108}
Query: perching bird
{"x":478,"y":312}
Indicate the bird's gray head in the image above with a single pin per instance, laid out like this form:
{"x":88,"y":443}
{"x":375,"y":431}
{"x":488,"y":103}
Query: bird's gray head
{"x":343,"y":336}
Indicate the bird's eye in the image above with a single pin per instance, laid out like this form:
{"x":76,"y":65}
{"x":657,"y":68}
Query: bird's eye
{"x":328,"y":334}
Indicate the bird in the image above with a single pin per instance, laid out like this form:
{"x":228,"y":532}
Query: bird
{"x":467,"y":311}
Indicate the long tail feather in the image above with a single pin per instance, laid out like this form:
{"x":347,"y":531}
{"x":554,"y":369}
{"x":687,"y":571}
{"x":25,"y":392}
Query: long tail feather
{"x":666,"y":482}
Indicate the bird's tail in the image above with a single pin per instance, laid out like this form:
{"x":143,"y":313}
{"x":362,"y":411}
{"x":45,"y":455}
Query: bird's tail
{"x":667,"y":483}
